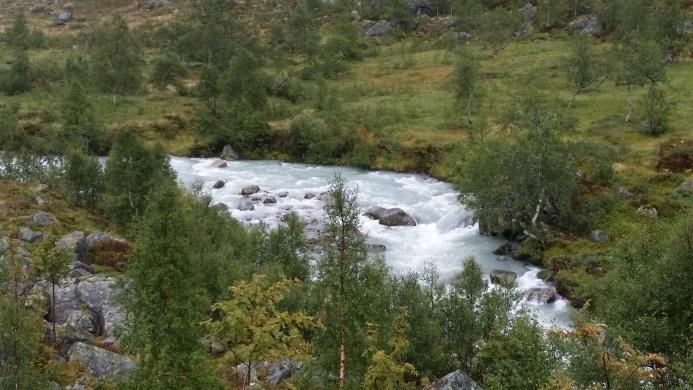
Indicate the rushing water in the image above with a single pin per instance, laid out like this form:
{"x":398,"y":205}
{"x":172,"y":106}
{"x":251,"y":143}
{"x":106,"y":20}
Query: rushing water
{"x":443,"y":236}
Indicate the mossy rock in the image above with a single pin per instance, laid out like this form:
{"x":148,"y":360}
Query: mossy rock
{"x":531,"y":251}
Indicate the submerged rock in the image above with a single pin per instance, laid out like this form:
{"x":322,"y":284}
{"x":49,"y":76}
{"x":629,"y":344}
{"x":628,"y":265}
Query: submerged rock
{"x":220,"y":164}
{"x":246,"y":205}
{"x":376,"y":248}
{"x":502,"y":277}
{"x":250,"y":190}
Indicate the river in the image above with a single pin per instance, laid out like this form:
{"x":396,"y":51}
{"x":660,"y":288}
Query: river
{"x":444,"y":235}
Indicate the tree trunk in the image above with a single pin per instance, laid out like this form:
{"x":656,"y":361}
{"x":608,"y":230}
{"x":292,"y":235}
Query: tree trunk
{"x":55,"y":338}
{"x":342,"y":364}
{"x":540,"y":203}
{"x":630,"y":105}
{"x":249,"y":373}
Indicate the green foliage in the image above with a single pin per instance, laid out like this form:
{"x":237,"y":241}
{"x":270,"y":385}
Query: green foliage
{"x":581,"y":67}
{"x":512,"y":186}
{"x":166,"y":302}
{"x":472,"y":314}
{"x":17,"y":36}
{"x":53,"y":267}
{"x":516,"y":357}
{"x":18,"y":79}
{"x":11,"y":137}
{"x":116,"y":58}
{"x":466,"y":82}
{"x":131,"y":170}
{"x":648,"y":292}
{"x":387,"y":370}
{"x":167,"y":69}
{"x":655,"y":109}
{"x":298,"y":33}
{"x":285,"y":249}
{"x":80,"y":126}
{"x":255,"y":329}
{"x":83,"y":178}
{"x":498,"y":28}
{"x":20,"y":327}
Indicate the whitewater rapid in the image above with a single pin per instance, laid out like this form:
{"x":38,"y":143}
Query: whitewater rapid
{"x":444,"y":235}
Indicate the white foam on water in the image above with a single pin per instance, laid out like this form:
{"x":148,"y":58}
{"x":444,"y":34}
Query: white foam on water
{"x":443,"y":235}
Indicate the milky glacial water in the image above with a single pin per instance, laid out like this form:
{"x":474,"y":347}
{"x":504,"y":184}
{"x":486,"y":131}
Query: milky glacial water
{"x":444,"y":235}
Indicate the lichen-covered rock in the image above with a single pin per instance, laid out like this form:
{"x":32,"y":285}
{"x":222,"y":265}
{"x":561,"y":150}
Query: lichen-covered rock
{"x":30,"y":236}
{"x":99,"y":362}
{"x":43,"y":218}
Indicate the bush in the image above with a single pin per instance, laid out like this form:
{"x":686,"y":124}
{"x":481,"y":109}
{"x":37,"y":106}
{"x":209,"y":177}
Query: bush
{"x":83,"y":178}
{"x":167,"y":69}
{"x":655,"y":109}
{"x":18,"y":79}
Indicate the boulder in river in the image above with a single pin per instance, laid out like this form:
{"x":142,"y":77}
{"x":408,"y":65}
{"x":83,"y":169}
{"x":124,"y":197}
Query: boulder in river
{"x":309,"y":195}
{"x":220,"y":164}
{"x":269,"y":199}
{"x":397,"y":217}
{"x":219,"y":184}
{"x":542,"y":294}
{"x":246,"y":205}
{"x":504,"y":278}
{"x":249,"y":190}
{"x":228,"y":154}
{"x":283,"y":194}
{"x":457,"y":380}
{"x":390,"y":217}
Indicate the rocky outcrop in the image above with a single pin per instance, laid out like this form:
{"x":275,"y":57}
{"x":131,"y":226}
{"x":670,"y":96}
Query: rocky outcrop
{"x":379,"y":29}
{"x":75,"y":243}
{"x":586,"y":24}
{"x":390,"y":217}
{"x":457,"y":380}
{"x":228,"y":154}
{"x":504,"y":278}
{"x":250,"y":190}
{"x":99,"y":362}
{"x":542,"y":294}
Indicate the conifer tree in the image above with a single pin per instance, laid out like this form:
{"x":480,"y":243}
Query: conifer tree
{"x":80,"y":126}
{"x":387,"y":370}
{"x":340,"y":268}
{"x":17,"y":36}
{"x":254,"y":327}
{"x":166,"y":302}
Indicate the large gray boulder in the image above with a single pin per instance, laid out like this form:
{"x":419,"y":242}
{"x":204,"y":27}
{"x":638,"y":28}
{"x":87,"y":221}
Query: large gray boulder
{"x":99,"y":362}
{"x":504,"y":278}
{"x":229,"y":154}
{"x":80,"y":326}
{"x":98,"y":239}
{"x":30,"y":236}
{"x":397,"y":217}
{"x":100,"y":294}
{"x":457,"y":380}
{"x":63,"y":17}
{"x":43,"y":218}
{"x":76,"y":243}
{"x":586,"y":24}
{"x":379,"y":29}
